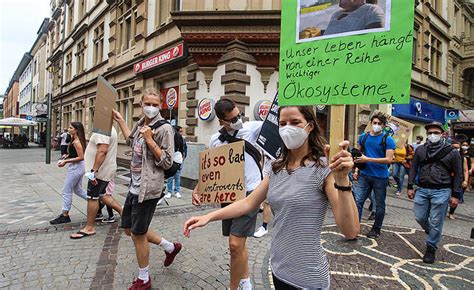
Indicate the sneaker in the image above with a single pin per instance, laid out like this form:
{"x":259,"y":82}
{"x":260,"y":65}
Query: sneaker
{"x":178,"y":195}
{"x":373,"y":233}
{"x":170,"y":256}
{"x":61,"y":219}
{"x":398,"y":193}
{"x":451,"y":217}
{"x":99,"y":216}
{"x":430,"y":255}
{"x":138,"y":284}
{"x":372,"y":216}
{"x":168,"y":195}
{"x":109,"y":220}
{"x":260,"y":232}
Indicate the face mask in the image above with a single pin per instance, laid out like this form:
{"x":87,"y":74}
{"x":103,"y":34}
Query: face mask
{"x":377,"y":128}
{"x":465,"y":147}
{"x":293,"y":136}
{"x":418,"y":141}
{"x":237,"y":125}
{"x":433,"y":138}
{"x":150,"y":111}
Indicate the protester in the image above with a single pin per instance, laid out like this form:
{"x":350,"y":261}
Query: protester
{"x":419,"y":140}
{"x":401,"y":165}
{"x":297,"y":257}
{"x":266,"y":215}
{"x":65,"y":140}
{"x":238,"y":228}
{"x":152,"y":154}
{"x":356,"y":15}
{"x":377,"y":148}
{"x":74,"y":157}
{"x":101,"y":158}
{"x":180,"y":148}
{"x":465,"y":163}
{"x":439,"y":183}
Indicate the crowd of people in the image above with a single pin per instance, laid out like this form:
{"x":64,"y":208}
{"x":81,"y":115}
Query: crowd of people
{"x":298,"y":187}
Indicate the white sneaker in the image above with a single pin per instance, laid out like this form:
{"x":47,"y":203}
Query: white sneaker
{"x":260,"y":232}
{"x":168,"y":195}
{"x":178,"y":195}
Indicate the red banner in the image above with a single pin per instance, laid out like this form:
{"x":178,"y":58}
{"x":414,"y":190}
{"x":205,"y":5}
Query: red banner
{"x":170,"y":98}
{"x":159,"y":59}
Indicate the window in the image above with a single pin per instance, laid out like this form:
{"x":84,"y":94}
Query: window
{"x":456,"y":22}
{"x":70,"y":17}
{"x":78,"y":113}
{"x":162,"y":12}
{"x":35,"y":67}
{"x":98,"y":44}
{"x":57,"y":30}
{"x":80,"y":56}
{"x":69,"y":66}
{"x":436,"y":5}
{"x":455,"y":80}
{"x":82,"y":9}
{"x":56,"y":75}
{"x":416,"y":38}
{"x":436,"y":54}
{"x":67,"y":116}
{"x":125,"y":105}
{"x":126,"y":24}
{"x":91,"y":113}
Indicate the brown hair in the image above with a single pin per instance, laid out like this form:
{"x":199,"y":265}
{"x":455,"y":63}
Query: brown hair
{"x":80,"y":134}
{"x":316,"y":142}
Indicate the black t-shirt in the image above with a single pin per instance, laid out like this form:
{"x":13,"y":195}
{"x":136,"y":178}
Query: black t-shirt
{"x":72,"y":151}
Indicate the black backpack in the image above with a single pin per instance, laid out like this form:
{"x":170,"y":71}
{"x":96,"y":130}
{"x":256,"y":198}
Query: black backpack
{"x":177,"y":139}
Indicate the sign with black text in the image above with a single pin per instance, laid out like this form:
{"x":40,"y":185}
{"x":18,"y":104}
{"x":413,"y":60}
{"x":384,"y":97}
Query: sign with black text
{"x":269,"y":139}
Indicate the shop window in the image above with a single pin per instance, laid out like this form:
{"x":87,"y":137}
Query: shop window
{"x":125,"y":105}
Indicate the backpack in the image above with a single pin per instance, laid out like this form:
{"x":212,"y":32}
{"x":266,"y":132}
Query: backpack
{"x":176,"y":166}
{"x":249,"y":148}
{"x":437,"y":158}
{"x":383,"y":143}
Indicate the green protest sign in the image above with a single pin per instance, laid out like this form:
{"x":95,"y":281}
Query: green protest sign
{"x":346,"y":52}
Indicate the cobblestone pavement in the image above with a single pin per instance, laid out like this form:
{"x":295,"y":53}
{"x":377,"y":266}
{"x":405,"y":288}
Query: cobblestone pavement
{"x":35,"y":255}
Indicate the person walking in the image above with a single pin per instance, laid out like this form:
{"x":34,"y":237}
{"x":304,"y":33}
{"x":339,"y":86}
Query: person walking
{"x":299,"y":187}
{"x":152,"y":154}
{"x":74,"y":158}
{"x":101,"y":158}
{"x":465,"y":163}
{"x":65,"y":141}
{"x":439,"y":184}
{"x":180,"y":149}
{"x":419,"y":140}
{"x":401,"y":165}
{"x":239,"y":228}
{"x":377,"y":148}
{"x":110,"y":211}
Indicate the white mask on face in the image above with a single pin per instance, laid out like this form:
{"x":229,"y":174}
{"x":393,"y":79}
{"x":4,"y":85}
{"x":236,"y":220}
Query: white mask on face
{"x":465,"y":147}
{"x":377,"y":128}
{"x":237,"y":125}
{"x":293,"y":136}
{"x":434,"y":138}
{"x":150,"y":111}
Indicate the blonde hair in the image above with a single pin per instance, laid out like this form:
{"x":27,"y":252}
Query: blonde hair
{"x":151,"y":92}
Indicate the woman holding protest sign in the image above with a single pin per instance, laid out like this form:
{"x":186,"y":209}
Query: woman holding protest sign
{"x":299,"y":187}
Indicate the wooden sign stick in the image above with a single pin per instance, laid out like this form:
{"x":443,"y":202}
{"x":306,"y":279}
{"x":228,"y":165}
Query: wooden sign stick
{"x":336,"y":129}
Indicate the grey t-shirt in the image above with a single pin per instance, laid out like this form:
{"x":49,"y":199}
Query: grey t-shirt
{"x":358,"y":19}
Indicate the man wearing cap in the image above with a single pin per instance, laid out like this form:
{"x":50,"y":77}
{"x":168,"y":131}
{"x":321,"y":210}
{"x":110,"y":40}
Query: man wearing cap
{"x":439,"y":185}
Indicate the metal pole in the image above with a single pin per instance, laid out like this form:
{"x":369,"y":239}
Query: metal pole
{"x":48,"y":130}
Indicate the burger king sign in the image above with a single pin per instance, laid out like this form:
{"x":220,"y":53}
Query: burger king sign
{"x":206,"y":110}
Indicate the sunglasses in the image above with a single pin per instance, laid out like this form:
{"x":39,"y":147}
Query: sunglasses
{"x":235,"y":119}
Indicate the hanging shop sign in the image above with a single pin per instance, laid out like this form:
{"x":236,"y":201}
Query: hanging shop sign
{"x":206,"y":110}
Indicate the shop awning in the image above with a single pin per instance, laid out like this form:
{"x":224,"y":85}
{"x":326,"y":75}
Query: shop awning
{"x":16,"y":122}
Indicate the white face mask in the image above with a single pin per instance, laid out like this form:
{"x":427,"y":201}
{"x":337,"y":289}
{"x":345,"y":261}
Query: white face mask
{"x":376,"y":128}
{"x":237,"y":125}
{"x":434,"y":138}
{"x":150,"y":111}
{"x":293,"y":136}
{"x":465,"y":147}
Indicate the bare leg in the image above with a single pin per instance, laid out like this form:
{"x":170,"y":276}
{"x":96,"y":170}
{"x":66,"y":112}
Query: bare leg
{"x":239,"y":268}
{"x":92,"y":208}
{"x":142,"y":249}
{"x":153,"y":237}
{"x":110,"y":201}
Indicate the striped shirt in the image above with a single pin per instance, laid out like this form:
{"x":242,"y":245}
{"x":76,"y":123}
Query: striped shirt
{"x":299,"y":206}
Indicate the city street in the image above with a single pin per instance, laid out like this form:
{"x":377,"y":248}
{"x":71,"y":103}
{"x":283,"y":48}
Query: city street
{"x":34,"y":254}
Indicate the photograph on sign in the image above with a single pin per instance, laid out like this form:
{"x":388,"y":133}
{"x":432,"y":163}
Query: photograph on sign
{"x":399,"y":129}
{"x":329,"y":67}
{"x":104,"y":104}
{"x":221,"y":174}
{"x":328,"y":19}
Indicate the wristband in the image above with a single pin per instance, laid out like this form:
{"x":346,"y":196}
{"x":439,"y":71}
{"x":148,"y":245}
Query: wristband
{"x":343,"y":188}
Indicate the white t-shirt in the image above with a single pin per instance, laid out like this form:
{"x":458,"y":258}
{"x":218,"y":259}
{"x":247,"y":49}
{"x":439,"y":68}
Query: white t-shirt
{"x":249,"y":132}
{"x":63,"y":139}
{"x":109,"y":166}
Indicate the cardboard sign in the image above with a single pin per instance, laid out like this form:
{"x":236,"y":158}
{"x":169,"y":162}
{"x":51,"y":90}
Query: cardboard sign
{"x":104,"y":103}
{"x":222,"y":174}
{"x":339,"y":55}
{"x":397,"y":128}
{"x":269,"y":139}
